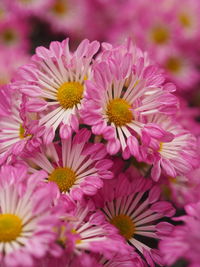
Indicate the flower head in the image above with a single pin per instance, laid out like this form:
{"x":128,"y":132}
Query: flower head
{"x":26,"y":218}
{"x":125,"y":88}
{"x":174,"y":156}
{"x":77,"y":167}
{"x":133,"y":207}
{"x":17,"y":133}
{"x":54,"y":85}
{"x":84,"y":229}
{"x":13,"y":34}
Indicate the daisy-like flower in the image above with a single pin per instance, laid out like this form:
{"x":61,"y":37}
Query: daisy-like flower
{"x":86,"y":230}
{"x":17,"y":132}
{"x":183,"y":242}
{"x":133,"y":207}
{"x":26,"y":218}
{"x":54,"y":84}
{"x":77,"y":167}
{"x":179,"y":68}
{"x":66,"y":16}
{"x":174,"y":157}
{"x":124,"y":89}
{"x":13,"y":34}
{"x":186,"y":17}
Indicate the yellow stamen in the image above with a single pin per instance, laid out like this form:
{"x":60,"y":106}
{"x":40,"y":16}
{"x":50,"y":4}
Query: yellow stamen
{"x":60,"y":7}
{"x":124,"y":224}
{"x":173,"y":64}
{"x":63,"y":177}
{"x":161,"y":147}
{"x":70,"y":94}
{"x":22,"y":133}
{"x":10,"y":227}
{"x":185,"y":20}
{"x":119,"y":112}
{"x":8,"y":36}
{"x":160,"y":35}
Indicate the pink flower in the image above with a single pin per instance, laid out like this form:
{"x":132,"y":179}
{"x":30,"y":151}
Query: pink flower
{"x":17,"y":133}
{"x":85,"y":230}
{"x":14,"y":34}
{"x":183,"y":242}
{"x":133,"y":207}
{"x":54,"y":85}
{"x":26,"y":218}
{"x":66,"y":16}
{"x":174,"y":156}
{"x":77,"y":166}
{"x":180,"y":69}
{"x":125,"y":88}
{"x":186,"y":19}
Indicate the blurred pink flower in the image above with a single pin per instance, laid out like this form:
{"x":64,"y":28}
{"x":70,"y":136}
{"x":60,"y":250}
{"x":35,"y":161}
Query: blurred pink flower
{"x":14,"y":34}
{"x":183,"y":242}
{"x":174,"y":156}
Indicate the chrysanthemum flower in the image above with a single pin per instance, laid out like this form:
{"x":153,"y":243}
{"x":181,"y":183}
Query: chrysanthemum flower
{"x":16,"y":133}
{"x":84,"y":230}
{"x":183,"y":242}
{"x":179,"y":68}
{"x":134,"y":208}
{"x":14,"y":34}
{"x":26,"y":218}
{"x":124,"y":89}
{"x":174,"y":157}
{"x":54,"y":84}
{"x":186,"y":19}
{"x":66,"y":16}
{"x":77,"y":167}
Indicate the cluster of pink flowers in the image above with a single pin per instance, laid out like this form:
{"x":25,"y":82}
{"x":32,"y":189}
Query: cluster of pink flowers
{"x":167,"y":30}
{"x":99,"y":133}
{"x":89,"y":141}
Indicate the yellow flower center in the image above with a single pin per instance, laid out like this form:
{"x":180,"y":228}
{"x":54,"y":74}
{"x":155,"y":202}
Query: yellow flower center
{"x":63,"y":177}
{"x":22,"y":133}
{"x":10,"y":227}
{"x":160,"y":35}
{"x":70,"y":94}
{"x":124,"y":224}
{"x":161,"y":147}
{"x":119,"y":112}
{"x":173,"y":64}
{"x":60,"y":7}
{"x":185,"y":20}
{"x":8,"y":36}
